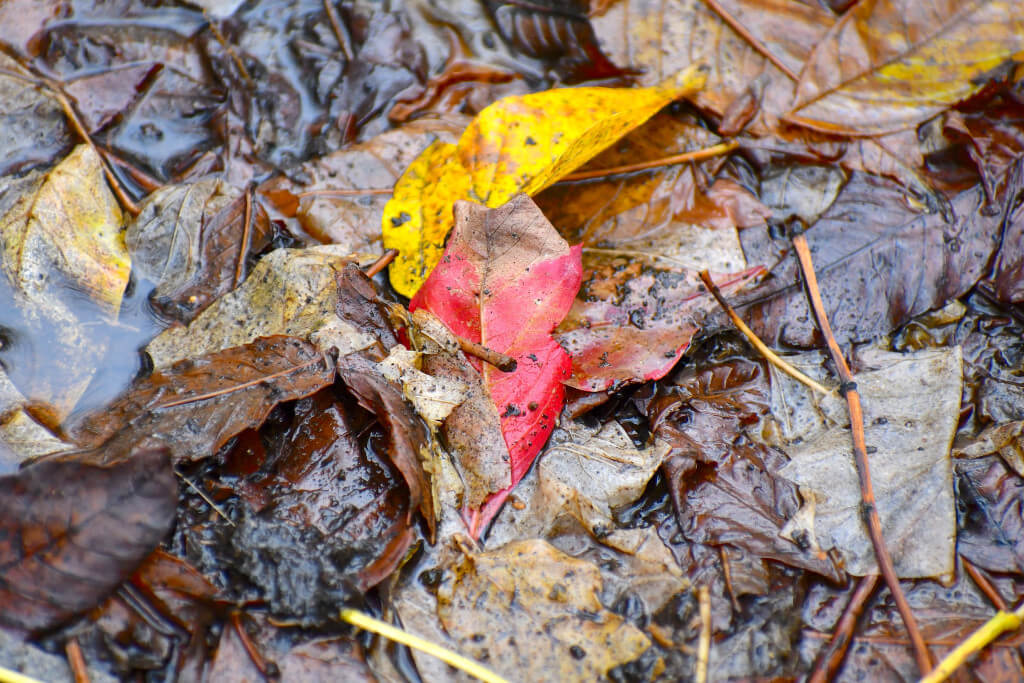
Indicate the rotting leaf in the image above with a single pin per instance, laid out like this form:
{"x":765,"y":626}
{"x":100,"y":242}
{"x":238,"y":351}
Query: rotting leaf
{"x":992,"y":532}
{"x":532,"y":612}
{"x":519,"y":144}
{"x":911,"y":408}
{"x":879,"y":263}
{"x":505,"y":281}
{"x":290,"y":292}
{"x":194,"y":406}
{"x":632,"y":321}
{"x":885,"y":66}
{"x":72,"y":531}
{"x":32,"y":126}
{"x":188,"y":241}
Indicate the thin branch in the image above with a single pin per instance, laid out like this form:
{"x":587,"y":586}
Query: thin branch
{"x":238,"y":387}
{"x":982,"y":582}
{"x":209,"y":501}
{"x":749,"y":37}
{"x":9,"y":676}
{"x":977,"y":641}
{"x":495,"y":358}
{"x":368,"y":623}
{"x":229,"y":48}
{"x":869,"y":508}
{"x":831,"y":656}
{"x":704,"y":644}
{"x":268,"y":669}
{"x":346,"y":193}
{"x":76,"y":660}
{"x":340,"y":31}
{"x":769,"y":355}
{"x":685,"y":157}
{"x":381,"y":263}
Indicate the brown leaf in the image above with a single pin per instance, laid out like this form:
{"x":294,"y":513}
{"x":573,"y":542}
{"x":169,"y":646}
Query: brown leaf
{"x":878,"y":262}
{"x":992,"y":532}
{"x":34,"y":129}
{"x":532,"y":612}
{"x":194,"y":407}
{"x":73,"y":531}
{"x":188,"y":241}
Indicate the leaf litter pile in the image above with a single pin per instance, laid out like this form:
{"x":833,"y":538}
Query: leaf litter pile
{"x":615,"y":340}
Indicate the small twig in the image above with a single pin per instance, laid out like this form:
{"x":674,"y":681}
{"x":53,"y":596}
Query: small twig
{"x":727,"y":576}
{"x":149,"y":614}
{"x":381,"y":263}
{"x":76,"y":660}
{"x":246,"y":236}
{"x":222,"y":39}
{"x":986,"y":587}
{"x":769,"y":355}
{"x":340,"y":32}
{"x":495,"y":358}
{"x":209,"y":501}
{"x":368,"y":623}
{"x":988,"y":632}
{"x":831,"y":656}
{"x":268,"y":669}
{"x":869,"y":507}
{"x":696,"y":155}
{"x":749,"y":37}
{"x":238,"y":387}
{"x":704,"y":644}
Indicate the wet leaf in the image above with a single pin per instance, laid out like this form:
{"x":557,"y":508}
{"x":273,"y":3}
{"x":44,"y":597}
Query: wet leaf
{"x":632,"y":321}
{"x":73,"y":221}
{"x":505,"y":281}
{"x":885,"y":66}
{"x":290,"y":291}
{"x":188,"y":240}
{"x":73,"y":531}
{"x":911,"y":408}
{"x":531,"y":611}
{"x":196,"y":405}
{"x":519,"y":144}
{"x":335,"y":518}
{"x":878,"y":263}
{"x":32,"y":126}
{"x":992,"y":531}
{"x":433,"y":397}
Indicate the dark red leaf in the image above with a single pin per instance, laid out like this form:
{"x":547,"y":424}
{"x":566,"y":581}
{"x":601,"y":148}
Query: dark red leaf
{"x":70,"y":532}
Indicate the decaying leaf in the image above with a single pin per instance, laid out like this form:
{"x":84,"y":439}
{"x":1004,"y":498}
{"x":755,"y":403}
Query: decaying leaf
{"x":73,"y":531}
{"x":188,"y":241}
{"x":433,"y":397}
{"x":291,"y":292}
{"x":991,"y":533}
{"x":505,"y":281}
{"x":193,"y":407}
{"x":519,"y":144}
{"x":33,"y":129}
{"x":911,"y":408}
{"x":890,"y":65}
{"x":532,"y":612}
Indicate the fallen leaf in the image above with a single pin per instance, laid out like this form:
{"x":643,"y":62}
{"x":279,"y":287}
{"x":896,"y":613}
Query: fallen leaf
{"x":519,"y":144}
{"x":196,"y":405}
{"x":990,"y":535}
{"x":1004,"y":439}
{"x":33,"y":129}
{"x":857,"y":244}
{"x":632,"y":321}
{"x":433,"y":397}
{"x":886,"y":66}
{"x":188,"y":240}
{"x":506,"y":279}
{"x":290,"y":291}
{"x":532,"y":612}
{"x":911,"y":408}
{"x":73,"y":531}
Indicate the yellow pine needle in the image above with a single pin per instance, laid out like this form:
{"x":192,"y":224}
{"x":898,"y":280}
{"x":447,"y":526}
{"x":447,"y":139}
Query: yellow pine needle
{"x":368,"y":623}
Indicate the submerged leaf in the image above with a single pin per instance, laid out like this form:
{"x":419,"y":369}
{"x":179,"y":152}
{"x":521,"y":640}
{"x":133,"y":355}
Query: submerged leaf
{"x":505,"y":281}
{"x":519,"y":144}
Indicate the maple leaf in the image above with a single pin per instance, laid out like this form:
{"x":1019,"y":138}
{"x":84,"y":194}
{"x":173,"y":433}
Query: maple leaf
{"x":518,"y":144}
{"x":505,"y":281}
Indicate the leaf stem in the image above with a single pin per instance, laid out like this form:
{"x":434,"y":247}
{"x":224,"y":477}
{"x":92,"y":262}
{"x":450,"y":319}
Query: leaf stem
{"x":381,"y":263}
{"x":769,"y":355}
{"x":749,"y":37}
{"x":368,"y":623}
{"x":869,"y":508}
{"x":685,"y":157}
{"x":830,"y":658}
{"x":495,"y":358}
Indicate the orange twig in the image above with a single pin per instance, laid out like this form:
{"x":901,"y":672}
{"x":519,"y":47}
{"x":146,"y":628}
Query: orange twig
{"x":985,"y":585}
{"x":749,"y":37}
{"x":830,"y":657}
{"x":79,"y":671}
{"x":246,"y":232}
{"x":381,"y":263}
{"x":685,"y":157}
{"x":268,"y":669}
{"x":495,"y":358}
{"x":346,"y":193}
{"x":869,"y":508}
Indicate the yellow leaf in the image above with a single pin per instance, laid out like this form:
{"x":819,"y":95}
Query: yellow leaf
{"x":887,"y":66}
{"x":68,"y":231}
{"x":518,"y":144}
